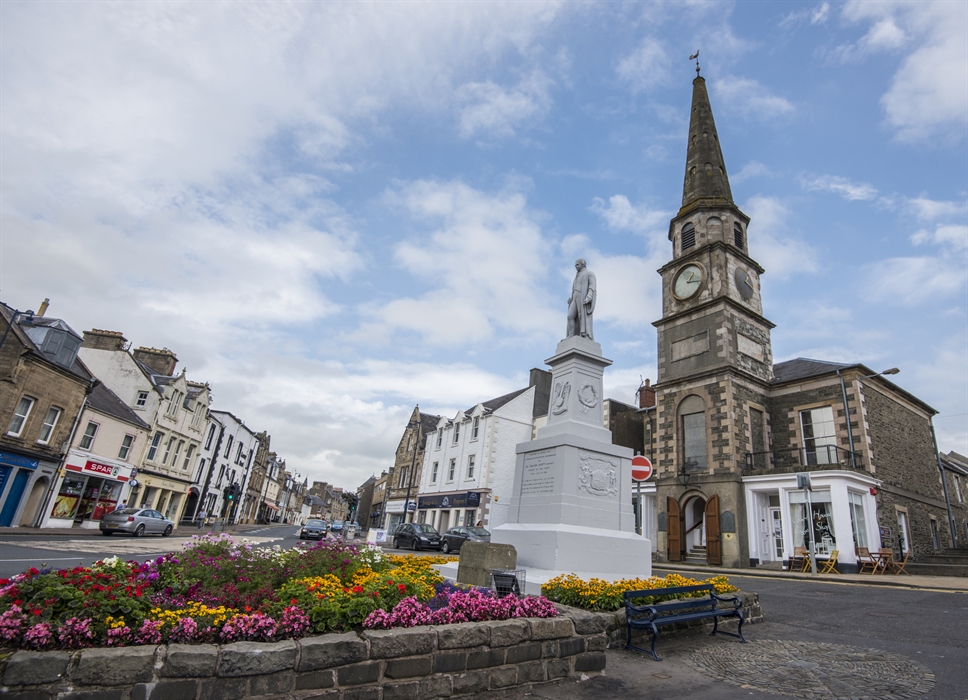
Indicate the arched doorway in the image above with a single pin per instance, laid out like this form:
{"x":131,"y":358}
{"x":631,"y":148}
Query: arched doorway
{"x":29,"y":514}
{"x":693,"y":526}
{"x":694,"y":523}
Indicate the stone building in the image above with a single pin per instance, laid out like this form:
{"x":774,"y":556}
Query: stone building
{"x":403,"y":479}
{"x":174,"y":407}
{"x":43,"y":389}
{"x":730,"y":430}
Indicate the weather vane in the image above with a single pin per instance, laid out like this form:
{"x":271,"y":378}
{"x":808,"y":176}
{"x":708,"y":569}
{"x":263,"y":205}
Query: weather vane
{"x":695,"y":57}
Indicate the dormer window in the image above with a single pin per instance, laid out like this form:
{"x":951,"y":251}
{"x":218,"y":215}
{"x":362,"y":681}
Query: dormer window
{"x":688,"y":237}
{"x":738,"y":235}
{"x":440,"y":437}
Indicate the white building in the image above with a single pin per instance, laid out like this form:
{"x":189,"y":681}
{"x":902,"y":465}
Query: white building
{"x":226,"y":459}
{"x":468,"y":467}
{"x":100,"y":465}
{"x":175,"y":408}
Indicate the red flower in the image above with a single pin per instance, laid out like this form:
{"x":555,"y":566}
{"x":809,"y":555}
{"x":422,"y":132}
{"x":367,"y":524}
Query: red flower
{"x":357,"y":589}
{"x":32,"y":571}
{"x":248,"y":608}
{"x":293,"y":602}
{"x":401,"y":587}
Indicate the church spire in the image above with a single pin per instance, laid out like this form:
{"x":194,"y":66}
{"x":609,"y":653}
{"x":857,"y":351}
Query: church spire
{"x":706,"y":181}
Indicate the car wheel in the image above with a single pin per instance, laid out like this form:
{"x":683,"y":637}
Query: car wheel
{"x":166,"y":532}
{"x":139,"y":531}
{"x":106,"y":533}
{"x":414,"y":546}
{"x":445,"y":548}
{"x":396,"y":544}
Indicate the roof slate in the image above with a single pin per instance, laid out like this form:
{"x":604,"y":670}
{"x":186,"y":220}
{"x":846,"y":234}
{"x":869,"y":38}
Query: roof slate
{"x":105,"y":401}
{"x":804,"y":367}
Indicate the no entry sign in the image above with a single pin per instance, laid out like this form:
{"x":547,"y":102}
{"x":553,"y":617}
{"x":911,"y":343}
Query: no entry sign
{"x":641,"y":468}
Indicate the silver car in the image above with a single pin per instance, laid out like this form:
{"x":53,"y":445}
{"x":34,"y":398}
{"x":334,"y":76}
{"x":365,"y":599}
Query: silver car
{"x":137,"y":522}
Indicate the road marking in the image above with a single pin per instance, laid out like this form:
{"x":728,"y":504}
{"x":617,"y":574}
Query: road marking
{"x":131,"y":546}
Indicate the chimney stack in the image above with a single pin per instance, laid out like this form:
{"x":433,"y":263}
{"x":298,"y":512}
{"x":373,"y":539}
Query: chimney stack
{"x":161,"y":361}
{"x":103,"y":340}
{"x":646,"y":395}
{"x":43,"y":307}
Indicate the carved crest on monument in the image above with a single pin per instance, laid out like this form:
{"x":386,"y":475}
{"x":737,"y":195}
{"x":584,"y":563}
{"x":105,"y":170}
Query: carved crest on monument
{"x":559,"y":398}
{"x":598,"y":476}
{"x":587,"y":397}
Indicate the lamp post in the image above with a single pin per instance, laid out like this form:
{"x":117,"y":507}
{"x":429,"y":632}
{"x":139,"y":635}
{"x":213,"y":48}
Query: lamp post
{"x":843,"y":391}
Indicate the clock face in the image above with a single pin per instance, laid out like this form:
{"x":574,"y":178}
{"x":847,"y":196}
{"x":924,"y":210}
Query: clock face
{"x":688,"y":281}
{"x":744,"y":283}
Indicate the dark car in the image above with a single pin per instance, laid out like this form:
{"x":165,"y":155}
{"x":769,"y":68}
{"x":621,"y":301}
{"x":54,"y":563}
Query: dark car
{"x":457,"y":536}
{"x":417,"y":536}
{"x":313,"y":530}
{"x":137,"y":522}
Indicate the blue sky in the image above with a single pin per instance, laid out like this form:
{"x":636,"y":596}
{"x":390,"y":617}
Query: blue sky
{"x":332,"y":211}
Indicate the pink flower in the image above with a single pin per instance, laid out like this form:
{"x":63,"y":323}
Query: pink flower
{"x":39,"y":636}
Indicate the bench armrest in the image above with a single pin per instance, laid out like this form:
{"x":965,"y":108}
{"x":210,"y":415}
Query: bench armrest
{"x":737,"y":603}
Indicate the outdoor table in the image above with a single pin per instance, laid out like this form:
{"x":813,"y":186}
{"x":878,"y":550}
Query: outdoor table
{"x":884,"y":558}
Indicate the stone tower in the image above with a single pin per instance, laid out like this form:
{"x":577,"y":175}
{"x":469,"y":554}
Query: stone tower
{"x":714,"y":360}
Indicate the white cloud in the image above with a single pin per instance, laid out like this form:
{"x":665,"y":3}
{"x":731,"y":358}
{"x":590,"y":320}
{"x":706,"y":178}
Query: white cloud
{"x":851,"y":191}
{"x":646,"y":67}
{"x":816,"y":15}
{"x":750,"y":99}
{"x":490,"y":110}
{"x":909,"y":281}
{"x":621,"y":215}
{"x":486,"y":261}
{"x":931,"y":209}
{"x":928,"y":97}
{"x":779,"y":253}
{"x":752,"y":169}
{"x":951,"y":236}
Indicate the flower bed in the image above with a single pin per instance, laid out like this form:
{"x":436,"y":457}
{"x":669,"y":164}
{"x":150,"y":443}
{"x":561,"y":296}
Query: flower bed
{"x":599,"y":594}
{"x":218,"y":590}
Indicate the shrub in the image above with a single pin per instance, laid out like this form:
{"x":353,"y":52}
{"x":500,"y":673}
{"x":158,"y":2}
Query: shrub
{"x":599,"y":594}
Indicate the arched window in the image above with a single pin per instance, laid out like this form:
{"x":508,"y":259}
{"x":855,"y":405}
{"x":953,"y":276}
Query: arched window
{"x":692,"y":426}
{"x":688,"y":236}
{"x":738,"y":235}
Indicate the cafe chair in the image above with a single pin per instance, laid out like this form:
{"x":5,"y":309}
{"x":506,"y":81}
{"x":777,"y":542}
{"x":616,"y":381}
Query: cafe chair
{"x":800,"y":560}
{"x":830,"y":566}
{"x":899,"y":565}
{"x":865,"y":560}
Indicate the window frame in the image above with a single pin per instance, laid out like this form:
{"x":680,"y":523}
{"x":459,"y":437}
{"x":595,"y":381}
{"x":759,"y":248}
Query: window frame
{"x":127,"y":442}
{"x":89,"y":438}
{"x":456,"y":432}
{"x":825,"y":440}
{"x":153,"y":447}
{"x":42,"y":440}
{"x":440,"y":437}
{"x":452,"y":469}
{"x":470,"y":466}
{"x":22,"y":416}
{"x":141,"y":400}
{"x":476,"y":428}
{"x":433,"y":472}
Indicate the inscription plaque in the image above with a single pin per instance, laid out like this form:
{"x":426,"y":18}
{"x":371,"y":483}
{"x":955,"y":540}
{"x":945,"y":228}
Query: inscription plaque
{"x":538,"y":475}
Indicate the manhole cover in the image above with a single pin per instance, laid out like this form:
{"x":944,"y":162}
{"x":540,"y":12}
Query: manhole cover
{"x":811,"y":670}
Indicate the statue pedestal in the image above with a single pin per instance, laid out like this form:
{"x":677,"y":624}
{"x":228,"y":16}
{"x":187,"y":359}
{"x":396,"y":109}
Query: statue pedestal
{"x":572,"y":505}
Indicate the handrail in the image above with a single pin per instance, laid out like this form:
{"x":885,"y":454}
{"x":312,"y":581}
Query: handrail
{"x":796,"y":458}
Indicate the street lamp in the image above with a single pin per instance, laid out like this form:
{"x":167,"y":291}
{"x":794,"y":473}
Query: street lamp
{"x":843,"y":391}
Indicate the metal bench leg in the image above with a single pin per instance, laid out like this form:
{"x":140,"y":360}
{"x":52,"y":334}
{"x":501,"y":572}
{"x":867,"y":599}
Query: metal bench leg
{"x":655,"y":635}
{"x":740,"y":629}
{"x":715,"y":626}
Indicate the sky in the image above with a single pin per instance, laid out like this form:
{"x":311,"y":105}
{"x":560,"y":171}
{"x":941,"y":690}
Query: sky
{"x":334,"y":211}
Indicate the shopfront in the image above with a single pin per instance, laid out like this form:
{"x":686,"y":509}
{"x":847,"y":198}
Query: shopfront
{"x":167,"y":496}
{"x":87,"y":491}
{"x":447,"y":510}
{"x":839,"y":510}
{"x":24,"y":482}
{"x":395,"y":510}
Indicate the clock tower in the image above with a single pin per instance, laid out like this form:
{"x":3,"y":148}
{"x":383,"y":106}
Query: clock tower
{"x":714,"y":360}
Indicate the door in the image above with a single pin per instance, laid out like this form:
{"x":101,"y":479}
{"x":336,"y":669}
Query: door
{"x":777,"y":523}
{"x":674,"y":528}
{"x":13,"y":497}
{"x":714,"y":549}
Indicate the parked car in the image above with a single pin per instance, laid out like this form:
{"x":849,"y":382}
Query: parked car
{"x":417,"y":536}
{"x":337,"y":526}
{"x":137,"y":522}
{"x":313,"y":530}
{"x":457,"y":536}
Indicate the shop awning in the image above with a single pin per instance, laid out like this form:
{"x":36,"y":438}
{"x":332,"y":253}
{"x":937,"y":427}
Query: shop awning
{"x":270,"y":506}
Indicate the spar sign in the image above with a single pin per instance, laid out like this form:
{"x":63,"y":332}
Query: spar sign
{"x":641,"y":468}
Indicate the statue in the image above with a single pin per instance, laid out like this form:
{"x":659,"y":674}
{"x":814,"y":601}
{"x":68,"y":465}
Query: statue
{"x":581,"y":303}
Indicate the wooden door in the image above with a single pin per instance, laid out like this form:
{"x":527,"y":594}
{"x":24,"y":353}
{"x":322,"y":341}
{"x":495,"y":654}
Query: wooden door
{"x":674,"y":528}
{"x":714,"y":548}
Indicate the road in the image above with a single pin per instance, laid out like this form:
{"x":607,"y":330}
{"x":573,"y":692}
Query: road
{"x":909,"y":636}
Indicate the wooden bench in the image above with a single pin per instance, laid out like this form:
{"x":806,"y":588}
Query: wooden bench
{"x":679,"y":608}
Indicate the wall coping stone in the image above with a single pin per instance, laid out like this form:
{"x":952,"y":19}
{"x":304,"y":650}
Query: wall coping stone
{"x":115,"y":666}
{"x":257,"y":658}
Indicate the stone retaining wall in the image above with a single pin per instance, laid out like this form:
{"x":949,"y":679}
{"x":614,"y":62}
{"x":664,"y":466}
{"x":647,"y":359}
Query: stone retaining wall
{"x":400,"y":664}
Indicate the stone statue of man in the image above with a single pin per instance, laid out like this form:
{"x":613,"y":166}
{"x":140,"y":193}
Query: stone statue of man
{"x":581,"y":303}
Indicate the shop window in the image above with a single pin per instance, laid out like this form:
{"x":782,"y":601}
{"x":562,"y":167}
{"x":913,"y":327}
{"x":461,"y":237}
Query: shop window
{"x":65,"y":505}
{"x":858,"y":523}
{"x":433,"y":473}
{"x":451,"y":469}
{"x":89,"y":434}
{"x":20,"y":416}
{"x":125,"y":446}
{"x":141,"y":400}
{"x":476,"y":428}
{"x":820,"y":518}
{"x":155,"y":444}
{"x":819,"y":436}
{"x":50,"y":422}
{"x":470,"y":467}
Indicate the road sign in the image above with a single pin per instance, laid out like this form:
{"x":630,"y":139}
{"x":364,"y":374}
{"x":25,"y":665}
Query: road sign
{"x":641,"y":468}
